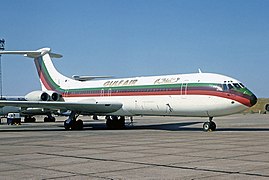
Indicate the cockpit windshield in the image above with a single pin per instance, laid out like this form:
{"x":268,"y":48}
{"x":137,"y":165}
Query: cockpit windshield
{"x":229,"y":86}
{"x":236,"y":85}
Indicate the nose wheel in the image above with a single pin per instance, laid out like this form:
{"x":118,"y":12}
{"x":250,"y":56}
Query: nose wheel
{"x":209,"y":125}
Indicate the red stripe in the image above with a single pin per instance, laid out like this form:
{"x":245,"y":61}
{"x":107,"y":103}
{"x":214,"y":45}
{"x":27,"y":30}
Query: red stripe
{"x":240,"y":99}
{"x":44,"y":82}
{"x":41,"y":75}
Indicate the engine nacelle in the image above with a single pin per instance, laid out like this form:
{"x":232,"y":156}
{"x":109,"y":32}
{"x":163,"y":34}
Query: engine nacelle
{"x":37,"y":96}
{"x":54,"y":96}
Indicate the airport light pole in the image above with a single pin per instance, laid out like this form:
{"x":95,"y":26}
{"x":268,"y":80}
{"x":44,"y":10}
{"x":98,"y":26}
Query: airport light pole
{"x":2,"y":47}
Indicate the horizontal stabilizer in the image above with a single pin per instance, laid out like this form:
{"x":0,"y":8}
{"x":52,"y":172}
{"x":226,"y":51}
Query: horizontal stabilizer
{"x":34,"y":54}
{"x":88,"y":78}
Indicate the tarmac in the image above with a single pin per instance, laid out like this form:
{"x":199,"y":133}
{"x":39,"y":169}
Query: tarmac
{"x":151,"y":148}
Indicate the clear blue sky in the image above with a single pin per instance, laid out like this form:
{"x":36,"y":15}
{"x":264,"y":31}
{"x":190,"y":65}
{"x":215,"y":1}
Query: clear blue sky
{"x":138,"y":37}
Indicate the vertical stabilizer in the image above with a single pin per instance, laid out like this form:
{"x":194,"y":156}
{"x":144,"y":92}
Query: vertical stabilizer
{"x":50,"y":78}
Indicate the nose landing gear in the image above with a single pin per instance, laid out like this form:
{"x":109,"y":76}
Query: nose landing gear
{"x":209,"y":125}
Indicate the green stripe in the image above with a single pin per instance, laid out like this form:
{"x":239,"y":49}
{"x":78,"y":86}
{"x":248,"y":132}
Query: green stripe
{"x":144,"y":87}
{"x":48,"y":77}
{"x":133,"y":87}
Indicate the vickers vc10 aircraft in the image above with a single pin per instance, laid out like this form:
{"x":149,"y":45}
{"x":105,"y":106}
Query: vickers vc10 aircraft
{"x":196,"y":95}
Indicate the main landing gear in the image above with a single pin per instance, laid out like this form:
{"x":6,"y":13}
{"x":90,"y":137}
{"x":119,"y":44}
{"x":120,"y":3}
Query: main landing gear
{"x":72,"y":123}
{"x":209,"y":125}
{"x":115,"y":122}
{"x":112,"y":122}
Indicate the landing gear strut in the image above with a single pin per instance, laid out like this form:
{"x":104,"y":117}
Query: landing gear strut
{"x":210,"y":125}
{"x":115,"y":122}
{"x":72,"y":123}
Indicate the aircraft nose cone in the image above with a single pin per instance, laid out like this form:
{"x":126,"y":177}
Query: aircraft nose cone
{"x":253,"y":100}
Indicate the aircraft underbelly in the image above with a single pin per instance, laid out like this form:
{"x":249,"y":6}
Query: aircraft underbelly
{"x":175,"y":105}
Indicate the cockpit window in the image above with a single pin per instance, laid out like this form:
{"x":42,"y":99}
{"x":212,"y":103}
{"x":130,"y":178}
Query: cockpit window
{"x":230,"y":86}
{"x":236,"y":85}
{"x":224,"y":87}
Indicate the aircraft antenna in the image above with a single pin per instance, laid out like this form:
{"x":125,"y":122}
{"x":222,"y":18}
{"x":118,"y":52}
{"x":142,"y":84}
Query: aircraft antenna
{"x":2,"y":47}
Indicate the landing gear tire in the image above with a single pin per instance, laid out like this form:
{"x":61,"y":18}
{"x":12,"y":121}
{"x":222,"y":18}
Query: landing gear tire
{"x":72,"y":123}
{"x":209,"y":126}
{"x":109,"y":123}
{"x":213,"y":126}
{"x":67,"y":126}
{"x":206,"y":126}
{"x":75,"y":125}
{"x":113,"y":122}
{"x":78,"y":125}
{"x":121,"y":122}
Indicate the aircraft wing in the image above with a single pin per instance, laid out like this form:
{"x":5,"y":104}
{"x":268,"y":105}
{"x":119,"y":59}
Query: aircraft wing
{"x":85,"y":106}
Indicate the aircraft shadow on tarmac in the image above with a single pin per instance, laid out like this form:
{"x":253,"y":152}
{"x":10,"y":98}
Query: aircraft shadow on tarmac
{"x":238,"y":129}
{"x":168,"y":127}
{"x":182,"y":126}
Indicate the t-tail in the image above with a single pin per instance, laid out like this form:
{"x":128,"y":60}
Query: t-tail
{"x":50,"y":78}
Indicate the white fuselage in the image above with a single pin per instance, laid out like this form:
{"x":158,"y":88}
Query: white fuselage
{"x":175,"y":104}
